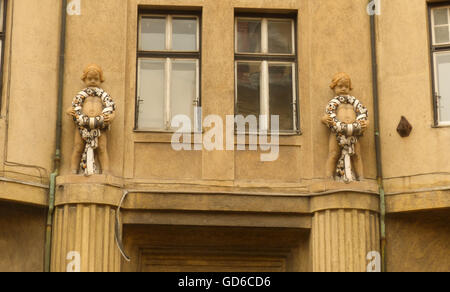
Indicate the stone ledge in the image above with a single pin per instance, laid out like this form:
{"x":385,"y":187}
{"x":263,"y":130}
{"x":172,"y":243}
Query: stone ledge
{"x":368,"y":186}
{"x":94,"y":193}
{"x":414,"y":183}
{"x":108,"y":190}
{"x":345,"y":200}
{"x":93,"y":179}
{"x":24,"y":194}
{"x":412,"y":202}
{"x":186,"y":201}
{"x":217,"y":219}
{"x":304,"y":189}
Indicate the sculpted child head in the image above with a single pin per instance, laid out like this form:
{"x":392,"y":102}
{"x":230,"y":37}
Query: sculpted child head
{"x":341,"y":84}
{"x":93,"y":76}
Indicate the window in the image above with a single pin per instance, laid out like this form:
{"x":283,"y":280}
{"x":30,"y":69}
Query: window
{"x":168,"y":70}
{"x":440,"y":50}
{"x":265,"y":64}
{"x":2,"y":41}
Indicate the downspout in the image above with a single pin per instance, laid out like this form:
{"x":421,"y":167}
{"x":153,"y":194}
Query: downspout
{"x":57,"y":157}
{"x":378,"y":139}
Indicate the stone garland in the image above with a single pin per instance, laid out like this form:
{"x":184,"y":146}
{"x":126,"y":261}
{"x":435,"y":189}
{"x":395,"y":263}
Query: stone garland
{"x":346,"y":134}
{"x":90,"y":128}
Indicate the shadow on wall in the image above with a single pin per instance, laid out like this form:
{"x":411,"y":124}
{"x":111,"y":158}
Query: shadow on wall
{"x":22,"y":237}
{"x":418,"y":242}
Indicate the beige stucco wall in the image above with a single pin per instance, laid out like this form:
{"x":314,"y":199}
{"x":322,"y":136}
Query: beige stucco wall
{"x":402,"y":62}
{"x":415,"y":241}
{"x":93,"y":38}
{"x":22,"y":233}
{"x":405,"y":89}
{"x":298,"y":156}
{"x":98,"y":36}
{"x":332,"y":36}
{"x":418,"y":242}
{"x":30,"y":86}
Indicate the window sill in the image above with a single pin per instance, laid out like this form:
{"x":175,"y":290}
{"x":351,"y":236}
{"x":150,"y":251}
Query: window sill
{"x":165,"y":137}
{"x":149,"y":131}
{"x":290,"y":133}
{"x":441,"y":125}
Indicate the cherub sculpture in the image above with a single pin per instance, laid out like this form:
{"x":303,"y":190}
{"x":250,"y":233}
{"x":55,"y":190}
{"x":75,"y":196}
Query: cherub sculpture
{"x":348,"y":120}
{"x":92,"y":110}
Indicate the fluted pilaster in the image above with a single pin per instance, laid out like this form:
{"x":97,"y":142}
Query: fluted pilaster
{"x":342,"y":238}
{"x":87,"y":229}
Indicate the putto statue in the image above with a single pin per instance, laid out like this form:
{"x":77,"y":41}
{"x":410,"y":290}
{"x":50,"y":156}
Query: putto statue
{"x":92,"y":110}
{"x":348,"y":120}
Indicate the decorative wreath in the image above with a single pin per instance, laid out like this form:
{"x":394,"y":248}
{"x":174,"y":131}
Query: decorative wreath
{"x":346,"y":134}
{"x":90,"y":128}
{"x":339,"y":127}
{"x":98,"y":122}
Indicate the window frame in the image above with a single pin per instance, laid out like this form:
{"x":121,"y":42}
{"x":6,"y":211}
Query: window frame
{"x":168,"y":56}
{"x":435,"y":50}
{"x":269,"y":59}
{"x":2,"y":51}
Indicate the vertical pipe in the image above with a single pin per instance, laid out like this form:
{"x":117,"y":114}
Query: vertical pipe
{"x":378,"y":136}
{"x":4,"y":10}
{"x":57,"y":157}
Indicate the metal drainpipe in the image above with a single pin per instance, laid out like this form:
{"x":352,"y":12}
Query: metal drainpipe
{"x":378,"y":140}
{"x":57,"y":158}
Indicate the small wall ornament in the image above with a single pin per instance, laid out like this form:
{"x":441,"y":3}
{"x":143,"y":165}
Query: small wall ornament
{"x":347,"y":119}
{"x":404,"y":127}
{"x":93,"y":111}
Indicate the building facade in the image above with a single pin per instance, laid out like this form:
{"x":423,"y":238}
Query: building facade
{"x":224,"y":208}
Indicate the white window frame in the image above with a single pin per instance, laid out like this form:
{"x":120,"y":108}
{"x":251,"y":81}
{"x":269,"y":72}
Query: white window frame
{"x":264,"y":78}
{"x":264,"y":35}
{"x":433,"y":26}
{"x":167,"y":91}
{"x":169,"y":31}
{"x":172,"y":56}
{"x":436,"y":86}
{"x":438,"y":49}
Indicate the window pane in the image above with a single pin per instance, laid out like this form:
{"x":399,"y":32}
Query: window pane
{"x":151,"y":92}
{"x":249,"y":36}
{"x":280,"y":36}
{"x":184,"y":34}
{"x":443,"y":72}
{"x":248,"y":89}
{"x":281,"y":94}
{"x":183,"y":88}
{"x":153,"y":34}
{"x":442,"y":34}
{"x":440,"y":16}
